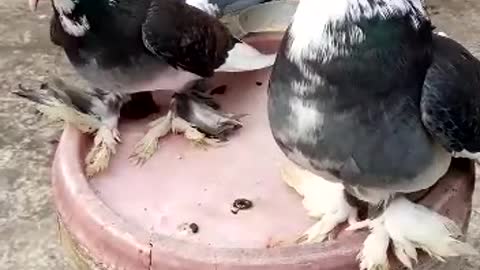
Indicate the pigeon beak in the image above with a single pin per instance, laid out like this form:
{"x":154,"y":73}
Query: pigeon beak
{"x":33,"y":5}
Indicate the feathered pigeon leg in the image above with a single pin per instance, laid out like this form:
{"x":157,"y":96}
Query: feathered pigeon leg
{"x":200,"y":121}
{"x":188,"y":114}
{"x":104,"y":106}
{"x":104,"y":147}
{"x":433,"y":233}
{"x":324,"y":200}
{"x":147,"y":146}
{"x":201,"y":91}
{"x":92,"y":111}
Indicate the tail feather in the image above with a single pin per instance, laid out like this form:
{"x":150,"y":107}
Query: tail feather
{"x":47,"y":97}
{"x":30,"y":94}
{"x":62,"y":102}
{"x":55,"y":92}
{"x":244,"y":57}
{"x":79,"y":98}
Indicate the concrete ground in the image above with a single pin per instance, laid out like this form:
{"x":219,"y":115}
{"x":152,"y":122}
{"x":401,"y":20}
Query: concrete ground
{"x":28,"y":237}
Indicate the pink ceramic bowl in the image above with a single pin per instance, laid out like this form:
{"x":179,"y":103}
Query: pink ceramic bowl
{"x":129,"y":217}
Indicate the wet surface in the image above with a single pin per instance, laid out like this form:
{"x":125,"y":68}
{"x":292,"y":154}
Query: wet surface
{"x":28,"y":238}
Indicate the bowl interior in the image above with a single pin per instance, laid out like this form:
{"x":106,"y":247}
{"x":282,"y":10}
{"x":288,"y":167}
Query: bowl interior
{"x":142,"y":210}
{"x":186,"y":184}
{"x":272,"y":16}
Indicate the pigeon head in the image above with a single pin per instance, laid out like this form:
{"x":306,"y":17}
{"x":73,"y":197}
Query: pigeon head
{"x":66,"y":5}
{"x":72,"y":17}
{"x":338,"y":23}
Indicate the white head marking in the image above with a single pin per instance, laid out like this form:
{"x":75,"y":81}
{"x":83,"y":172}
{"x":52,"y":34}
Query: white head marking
{"x":204,"y":5}
{"x":75,"y":27}
{"x":310,"y":39}
{"x":65,"y":6}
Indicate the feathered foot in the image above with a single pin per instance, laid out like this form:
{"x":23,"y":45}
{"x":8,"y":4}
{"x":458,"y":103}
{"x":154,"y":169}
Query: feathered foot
{"x":199,"y":123}
{"x":410,"y":226}
{"x":62,"y":102}
{"x":205,"y":117}
{"x":324,"y":200}
{"x":54,"y":102}
{"x":104,"y":147}
{"x":147,"y":146}
{"x":373,"y":255}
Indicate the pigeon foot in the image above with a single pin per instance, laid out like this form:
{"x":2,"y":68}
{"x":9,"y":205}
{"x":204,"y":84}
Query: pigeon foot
{"x":198,"y":138}
{"x":434,"y":234}
{"x":104,"y":147}
{"x":147,"y":146}
{"x":203,"y":114}
{"x":323,"y":200}
{"x":192,"y":116}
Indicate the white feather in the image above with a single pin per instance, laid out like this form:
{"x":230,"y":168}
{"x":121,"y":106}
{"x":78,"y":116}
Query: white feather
{"x":435,"y":234}
{"x":412,"y":226}
{"x":305,"y":119}
{"x":204,"y":5}
{"x":244,"y":57}
{"x":64,"y":6}
{"x":75,"y":28}
{"x":466,"y":154}
{"x":310,"y":39}
{"x":442,"y":34}
{"x":373,"y":255}
{"x":113,"y":3}
{"x":322,"y":199}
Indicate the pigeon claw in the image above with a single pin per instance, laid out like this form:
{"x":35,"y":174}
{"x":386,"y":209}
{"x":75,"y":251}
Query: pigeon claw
{"x":435,"y":234}
{"x":193,"y":116}
{"x":205,"y":118}
{"x":199,"y":139}
{"x":302,"y":239}
{"x":104,"y":147}
{"x":148,"y":145}
{"x":323,"y":200}
{"x":373,"y":255}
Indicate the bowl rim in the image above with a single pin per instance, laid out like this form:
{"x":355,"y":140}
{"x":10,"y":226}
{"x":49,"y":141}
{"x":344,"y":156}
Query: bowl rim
{"x":121,"y":243}
{"x":266,"y":5}
{"x":114,"y":241}
{"x":84,"y":214}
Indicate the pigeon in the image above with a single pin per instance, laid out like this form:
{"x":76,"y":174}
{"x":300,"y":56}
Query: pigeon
{"x":125,"y":47}
{"x":373,"y":105}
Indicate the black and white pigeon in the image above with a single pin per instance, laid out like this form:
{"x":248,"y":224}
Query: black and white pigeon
{"x":371,"y":104}
{"x":124,"y":47}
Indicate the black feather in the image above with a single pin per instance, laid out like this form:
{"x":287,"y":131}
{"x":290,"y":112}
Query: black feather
{"x":451,"y":97}
{"x":186,"y":37}
{"x":368,"y":100}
